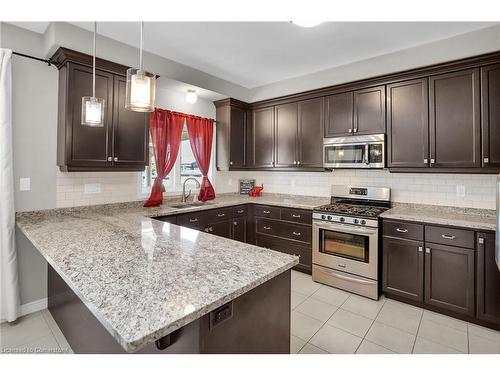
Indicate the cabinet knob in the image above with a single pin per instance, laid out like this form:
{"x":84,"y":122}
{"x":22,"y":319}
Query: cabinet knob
{"x":110,"y":158}
{"x":426,"y":161}
{"x":486,"y":160}
{"x":298,"y":162}
{"x":230,"y":163}
{"x":355,"y":130}
{"x":349,"y":130}
{"x":480,"y":240}
{"x":115,"y":158}
{"x":235,"y":223}
{"x":295,"y":162}
{"x":420,"y":249}
{"x":427,"y":250}
{"x":433,"y":161}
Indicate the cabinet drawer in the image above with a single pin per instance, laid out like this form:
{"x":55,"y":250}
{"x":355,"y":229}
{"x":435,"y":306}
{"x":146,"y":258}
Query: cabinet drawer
{"x":192,"y":220}
{"x":267,"y":211}
{"x":402,"y":229}
{"x":449,"y":236}
{"x":221,"y":214}
{"x":303,"y":252}
{"x":288,"y":231}
{"x":239,"y":211}
{"x":299,"y":216}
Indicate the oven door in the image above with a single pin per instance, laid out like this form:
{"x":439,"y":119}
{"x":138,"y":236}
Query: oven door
{"x":346,"y":248}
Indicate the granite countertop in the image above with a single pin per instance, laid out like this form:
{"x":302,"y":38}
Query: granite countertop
{"x":473,"y":218}
{"x":144,"y":278}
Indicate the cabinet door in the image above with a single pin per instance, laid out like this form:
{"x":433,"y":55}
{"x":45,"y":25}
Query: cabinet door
{"x":130,"y":130}
{"x":403,"y":268}
{"x":490,"y":92}
{"x":488,"y":280}
{"x":339,"y":115}
{"x":369,"y":111}
{"x":304,"y":253}
{"x":286,"y":135}
{"x":263,"y":138}
{"x":237,"y":132}
{"x":449,"y":278}
{"x":310,"y":133}
{"x":455,"y":120}
{"x":408,"y":124}
{"x":88,"y":146}
{"x":222,"y":228}
{"x":239,"y":229}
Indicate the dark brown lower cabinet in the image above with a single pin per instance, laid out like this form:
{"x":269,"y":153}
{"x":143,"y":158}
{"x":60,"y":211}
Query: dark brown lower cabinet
{"x":239,"y":229}
{"x":488,"y":280}
{"x":403,"y":266}
{"x":303,"y":252}
{"x":222,"y":228}
{"x":449,"y":278}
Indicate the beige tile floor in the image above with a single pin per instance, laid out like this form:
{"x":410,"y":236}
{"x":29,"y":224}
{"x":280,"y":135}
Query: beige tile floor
{"x":324,"y":320}
{"x":329,"y":320}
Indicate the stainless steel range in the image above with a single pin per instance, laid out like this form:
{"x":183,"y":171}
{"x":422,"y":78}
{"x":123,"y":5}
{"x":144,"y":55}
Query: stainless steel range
{"x":345,"y":239}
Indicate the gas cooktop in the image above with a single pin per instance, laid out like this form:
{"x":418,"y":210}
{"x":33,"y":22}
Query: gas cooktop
{"x":360,"y":210}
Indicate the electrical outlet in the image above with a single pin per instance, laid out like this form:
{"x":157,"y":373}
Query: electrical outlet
{"x":24,"y":184}
{"x":460,"y":190}
{"x":92,"y":188}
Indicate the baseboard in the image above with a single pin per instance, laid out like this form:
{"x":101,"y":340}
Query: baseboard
{"x":31,"y":307}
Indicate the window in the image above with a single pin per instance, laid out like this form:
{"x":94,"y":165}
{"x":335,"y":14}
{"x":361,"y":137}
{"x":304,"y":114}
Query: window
{"x":185,"y":167}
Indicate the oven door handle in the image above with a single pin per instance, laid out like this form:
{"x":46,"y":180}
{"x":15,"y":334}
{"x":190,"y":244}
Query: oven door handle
{"x":345,"y":228}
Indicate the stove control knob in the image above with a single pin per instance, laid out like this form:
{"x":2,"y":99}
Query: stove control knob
{"x":342,"y":219}
{"x":356,"y":221}
{"x":329,"y":217}
{"x":323,"y":217}
{"x":363,"y":222}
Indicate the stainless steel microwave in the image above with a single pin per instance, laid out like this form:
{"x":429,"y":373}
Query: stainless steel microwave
{"x":363,"y":151}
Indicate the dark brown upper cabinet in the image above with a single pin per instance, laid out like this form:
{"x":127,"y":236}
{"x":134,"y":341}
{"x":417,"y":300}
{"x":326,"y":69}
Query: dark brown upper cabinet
{"x":339,"y":114}
{"x":286,"y":125}
{"x":262,"y":138}
{"x":360,"y":112}
{"x":408,"y":124}
{"x":369,"y":111}
{"x":490,"y":99}
{"x":310,"y":133}
{"x":488,"y":280}
{"x":122,"y":143}
{"x":231,"y":137}
{"x":455,"y":133}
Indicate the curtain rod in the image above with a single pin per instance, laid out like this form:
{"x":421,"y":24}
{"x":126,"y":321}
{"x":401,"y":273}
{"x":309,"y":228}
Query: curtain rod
{"x":46,"y":61}
{"x":187,"y":115}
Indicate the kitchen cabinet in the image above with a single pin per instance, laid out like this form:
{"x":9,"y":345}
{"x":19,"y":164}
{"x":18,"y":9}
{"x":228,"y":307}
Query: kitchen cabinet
{"x":369,"y":111}
{"x":449,"y":278}
{"x":122,"y":143}
{"x":310,"y":133}
{"x":303,"y":252}
{"x":231,"y":134}
{"x":408,"y":124}
{"x":490,"y":97}
{"x":262,"y":138}
{"x":239,"y":229}
{"x":488,"y":280}
{"x":286,"y":123}
{"x":455,"y":134}
{"x":339,"y":114}
{"x":221,"y":228}
{"x":403,"y":268}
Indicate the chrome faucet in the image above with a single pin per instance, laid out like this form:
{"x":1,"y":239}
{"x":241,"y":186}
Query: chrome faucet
{"x":184,"y":196}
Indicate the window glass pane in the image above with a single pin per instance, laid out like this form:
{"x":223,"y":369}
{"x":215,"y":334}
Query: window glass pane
{"x":189,"y":166}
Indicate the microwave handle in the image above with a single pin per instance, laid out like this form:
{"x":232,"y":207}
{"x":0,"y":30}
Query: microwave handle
{"x":367,"y":150}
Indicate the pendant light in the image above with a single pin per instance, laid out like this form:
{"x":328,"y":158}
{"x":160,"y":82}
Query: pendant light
{"x":191,"y":96}
{"x":141,"y":86}
{"x":93,"y":107}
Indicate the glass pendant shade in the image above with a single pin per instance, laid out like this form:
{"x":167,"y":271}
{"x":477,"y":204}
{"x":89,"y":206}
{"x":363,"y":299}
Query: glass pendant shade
{"x":140,"y":90}
{"x":191,"y":96}
{"x":93,"y":111}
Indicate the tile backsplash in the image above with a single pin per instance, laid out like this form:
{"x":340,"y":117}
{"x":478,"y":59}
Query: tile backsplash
{"x":463,"y":190}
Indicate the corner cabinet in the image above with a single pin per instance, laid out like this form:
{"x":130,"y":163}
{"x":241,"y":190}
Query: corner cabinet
{"x":122,"y":143}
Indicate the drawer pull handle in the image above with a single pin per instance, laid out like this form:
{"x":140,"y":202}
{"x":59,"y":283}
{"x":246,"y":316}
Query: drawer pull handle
{"x":297,"y":216}
{"x":221,"y":215}
{"x":342,"y":265}
{"x":240,"y":211}
{"x":267,"y":228}
{"x":235,"y":223}
{"x":193,"y":220}
{"x":296,"y":233}
{"x":402,"y":230}
{"x":266,"y":212}
{"x":209,"y":229}
{"x":448,"y":237}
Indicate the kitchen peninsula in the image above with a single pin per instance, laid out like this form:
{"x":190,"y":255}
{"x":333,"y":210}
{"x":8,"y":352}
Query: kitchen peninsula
{"x":155,"y":287}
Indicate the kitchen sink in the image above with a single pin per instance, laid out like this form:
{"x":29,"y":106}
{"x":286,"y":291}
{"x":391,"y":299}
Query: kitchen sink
{"x":193,"y":204}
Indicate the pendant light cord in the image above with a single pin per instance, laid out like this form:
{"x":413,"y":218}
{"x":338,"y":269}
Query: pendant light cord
{"x":93,"y":62}
{"x":141,"y":46}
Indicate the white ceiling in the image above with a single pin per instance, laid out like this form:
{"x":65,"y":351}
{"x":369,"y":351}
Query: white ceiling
{"x":253,"y":54}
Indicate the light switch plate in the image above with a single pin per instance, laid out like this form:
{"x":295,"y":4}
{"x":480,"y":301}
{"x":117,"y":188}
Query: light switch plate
{"x":92,"y":188}
{"x":24,"y":184}
{"x":460,"y":190}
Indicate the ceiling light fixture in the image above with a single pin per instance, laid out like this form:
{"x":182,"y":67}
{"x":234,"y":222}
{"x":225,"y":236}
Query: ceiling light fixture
{"x":307,"y":23}
{"x":93,"y":107}
{"x":191,"y":96}
{"x":141,"y":86}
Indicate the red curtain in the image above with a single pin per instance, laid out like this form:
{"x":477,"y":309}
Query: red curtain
{"x":166,"y":131}
{"x":201,"y":132}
